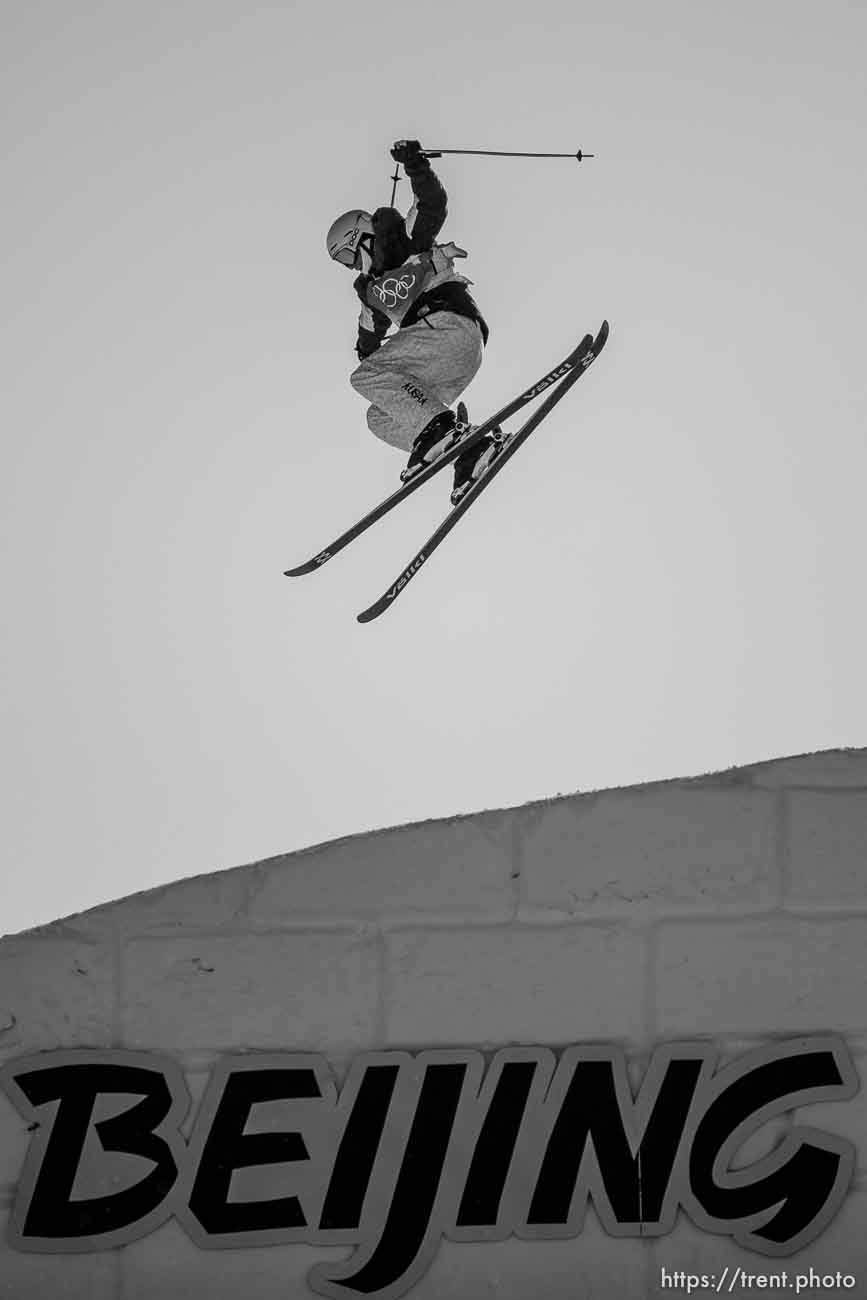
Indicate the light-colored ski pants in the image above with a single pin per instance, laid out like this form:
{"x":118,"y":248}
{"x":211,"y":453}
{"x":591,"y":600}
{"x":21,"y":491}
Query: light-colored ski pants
{"x":417,"y":374}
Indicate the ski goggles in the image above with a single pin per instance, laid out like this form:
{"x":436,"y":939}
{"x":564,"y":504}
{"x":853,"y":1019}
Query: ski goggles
{"x":351,"y":256}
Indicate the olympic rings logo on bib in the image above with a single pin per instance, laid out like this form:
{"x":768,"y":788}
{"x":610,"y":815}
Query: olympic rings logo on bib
{"x":394,"y":290}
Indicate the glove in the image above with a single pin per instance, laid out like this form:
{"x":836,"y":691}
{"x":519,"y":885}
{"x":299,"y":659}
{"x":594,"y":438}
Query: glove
{"x":408,"y":152}
{"x":368,"y":342}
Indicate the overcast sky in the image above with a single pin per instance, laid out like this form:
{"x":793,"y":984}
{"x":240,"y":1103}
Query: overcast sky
{"x":668,"y":578}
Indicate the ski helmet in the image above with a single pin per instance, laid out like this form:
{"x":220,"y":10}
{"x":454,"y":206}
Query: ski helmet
{"x":350,"y":238}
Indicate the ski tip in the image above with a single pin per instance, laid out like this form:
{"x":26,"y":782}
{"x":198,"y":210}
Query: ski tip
{"x":309,"y":566}
{"x":378,"y":607}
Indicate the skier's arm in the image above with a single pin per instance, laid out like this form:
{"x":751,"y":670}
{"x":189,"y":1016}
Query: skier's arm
{"x":373,"y":325}
{"x":429,"y":210}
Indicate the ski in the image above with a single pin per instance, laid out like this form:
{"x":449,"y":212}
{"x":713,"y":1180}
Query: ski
{"x":406,"y":489}
{"x":582,"y":359}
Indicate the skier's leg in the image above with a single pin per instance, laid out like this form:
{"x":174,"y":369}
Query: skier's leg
{"x":384,"y":427}
{"x":471,"y":463}
{"x":413,"y":377}
{"x":457,"y":356}
{"x":456,"y":360}
{"x":388,"y":379}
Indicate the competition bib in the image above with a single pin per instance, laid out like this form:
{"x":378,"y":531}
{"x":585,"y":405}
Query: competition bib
{"x":396,"y":291}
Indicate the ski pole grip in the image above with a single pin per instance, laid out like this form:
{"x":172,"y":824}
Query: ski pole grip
{"x":431,"y":153}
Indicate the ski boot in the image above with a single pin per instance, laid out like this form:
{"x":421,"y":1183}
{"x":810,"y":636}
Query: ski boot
{"x":435,"y":438}
{"x":474,"y":462}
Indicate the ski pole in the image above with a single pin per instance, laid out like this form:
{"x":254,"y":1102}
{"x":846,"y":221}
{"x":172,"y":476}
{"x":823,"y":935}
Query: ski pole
{"x":498,"y":153}
{"x":395,"y":178}
{"x":488,"y":153}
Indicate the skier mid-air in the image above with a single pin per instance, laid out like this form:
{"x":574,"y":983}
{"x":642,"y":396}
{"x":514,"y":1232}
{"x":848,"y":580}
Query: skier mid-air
{"x":411,"y":378}
{"x":407,"y":280}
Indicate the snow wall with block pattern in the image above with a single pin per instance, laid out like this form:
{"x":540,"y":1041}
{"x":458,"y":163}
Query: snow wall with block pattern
{"x":607,"y":1045}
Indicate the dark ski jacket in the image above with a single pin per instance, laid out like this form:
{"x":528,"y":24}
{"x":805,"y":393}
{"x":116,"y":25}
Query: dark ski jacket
{"x":423,"y":280}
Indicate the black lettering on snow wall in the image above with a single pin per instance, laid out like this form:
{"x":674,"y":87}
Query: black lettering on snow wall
{"x":417,"y":1147}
